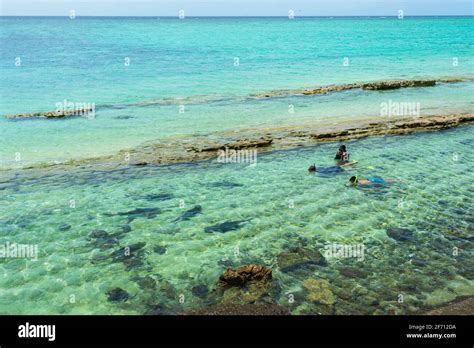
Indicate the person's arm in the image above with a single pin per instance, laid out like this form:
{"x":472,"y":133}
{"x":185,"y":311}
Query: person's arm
{"x":348,"y":164}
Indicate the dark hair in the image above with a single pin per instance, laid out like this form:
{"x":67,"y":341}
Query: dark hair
{"x":352,"y":179}
{"x":312,"y":168}
{"x":342,"y":148}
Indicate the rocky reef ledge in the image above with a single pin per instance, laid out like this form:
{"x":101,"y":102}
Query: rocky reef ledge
{"x":195,"y":148}
{"x":463,"y":305}
{"x":370,"y":86}
{"x":82,"y":110}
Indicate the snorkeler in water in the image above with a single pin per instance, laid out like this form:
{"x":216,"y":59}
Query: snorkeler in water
{"x":342,"y":156}
{"x":371,"y":181}
{"x":331,"y":169}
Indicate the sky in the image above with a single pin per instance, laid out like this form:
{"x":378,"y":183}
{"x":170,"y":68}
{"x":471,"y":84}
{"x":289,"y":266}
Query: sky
{"x":235,"y":7}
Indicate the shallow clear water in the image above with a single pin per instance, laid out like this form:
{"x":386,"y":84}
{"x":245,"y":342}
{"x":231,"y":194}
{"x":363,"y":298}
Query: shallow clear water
{"x":191,"y":62}
{"x":434,"y":201}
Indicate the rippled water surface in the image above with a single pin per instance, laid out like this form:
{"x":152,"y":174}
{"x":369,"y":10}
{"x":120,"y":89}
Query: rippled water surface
{"x":278,"y":205}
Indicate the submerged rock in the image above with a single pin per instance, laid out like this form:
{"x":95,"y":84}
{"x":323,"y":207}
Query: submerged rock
{"x":131,"y":255}
{"x":242,"y":275}
{"x":188,"y":214}
{"x":146,"y":282}
{"x":225,"y":184}
{"x":462,"y":305}
{"x":167,"y":289}
{"x":64,"y":227}
{"x":124,"y":228}
{"x":298,"y":257}
{"x":98,"y":234}
{"x":148,"y":213}
{"x":117,"y":295}
{"x":319,"y":291}
{"x":159,"y":196}
{"x":400,"y":234}
{"x":160,"y":250}
{"x":226,"y":226}
{"x":225,"y":263}
{"x":247,"y":284}
{"x":200,"y":291}
{"x":352,"y":272}
{"x":240,"y":309}
{"x":106,"y":242}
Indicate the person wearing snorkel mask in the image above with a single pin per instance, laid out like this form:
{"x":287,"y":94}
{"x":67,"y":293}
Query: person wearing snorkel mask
{"x":370,"y":181}
{"x":342,"y":156}
{"x":329,"y":170}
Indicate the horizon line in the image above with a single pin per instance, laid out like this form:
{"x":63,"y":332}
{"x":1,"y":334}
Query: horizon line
{"x":224,"y":16}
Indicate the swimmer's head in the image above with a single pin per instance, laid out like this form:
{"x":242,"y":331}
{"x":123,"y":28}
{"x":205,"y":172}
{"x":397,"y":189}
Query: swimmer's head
{"x":342,"y":148}
{"x":312,"y":168}
{"x":354,"y":180}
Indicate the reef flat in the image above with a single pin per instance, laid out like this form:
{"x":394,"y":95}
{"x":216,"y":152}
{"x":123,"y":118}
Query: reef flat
{"x":183,"y":149}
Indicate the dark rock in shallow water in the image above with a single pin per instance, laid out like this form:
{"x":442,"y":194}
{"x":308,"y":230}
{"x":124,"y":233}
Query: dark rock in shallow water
{"x":117,"y":295}
{"x":352,"y":272}
{"x":225,"y":263}
{"x":160,"y":250}
{"x":400,"y":234}
{"x":226,"y":226}
{"x":125,"y":228}
{"x":136,"y":246}
{"x":159,"y":196}
{"x":248,"y":284}
{"x":200,"y":291}
{"x":225,"y":184}
{"x":467,"y":142}
{"x":106,"y":242}
{"x":146,"y":282}
{"x":241,"y":309}
{"x":244,"y":274}
{"x":133,"y":262}
{"x":157,"y":309}
{"x":64,"y":227}
{"x":99,"y":258}
{"x":127,"y":253}
{"x":149,"y":213}
{"x":196,"y":210}
{"x":462,"y":305}
{"x":98,"y":234}
{"x":298,"y":257}
{"x":167,"y":290}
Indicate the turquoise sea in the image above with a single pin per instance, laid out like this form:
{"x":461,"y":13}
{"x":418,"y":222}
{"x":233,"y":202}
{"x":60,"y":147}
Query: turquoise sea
{"x":192,"y":62}
{"x":271,"y":208}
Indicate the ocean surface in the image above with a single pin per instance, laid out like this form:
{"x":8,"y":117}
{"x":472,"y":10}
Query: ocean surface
{"x":283,"y":207}
{"x":417,"y":233}
{"x":152,"y":78}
